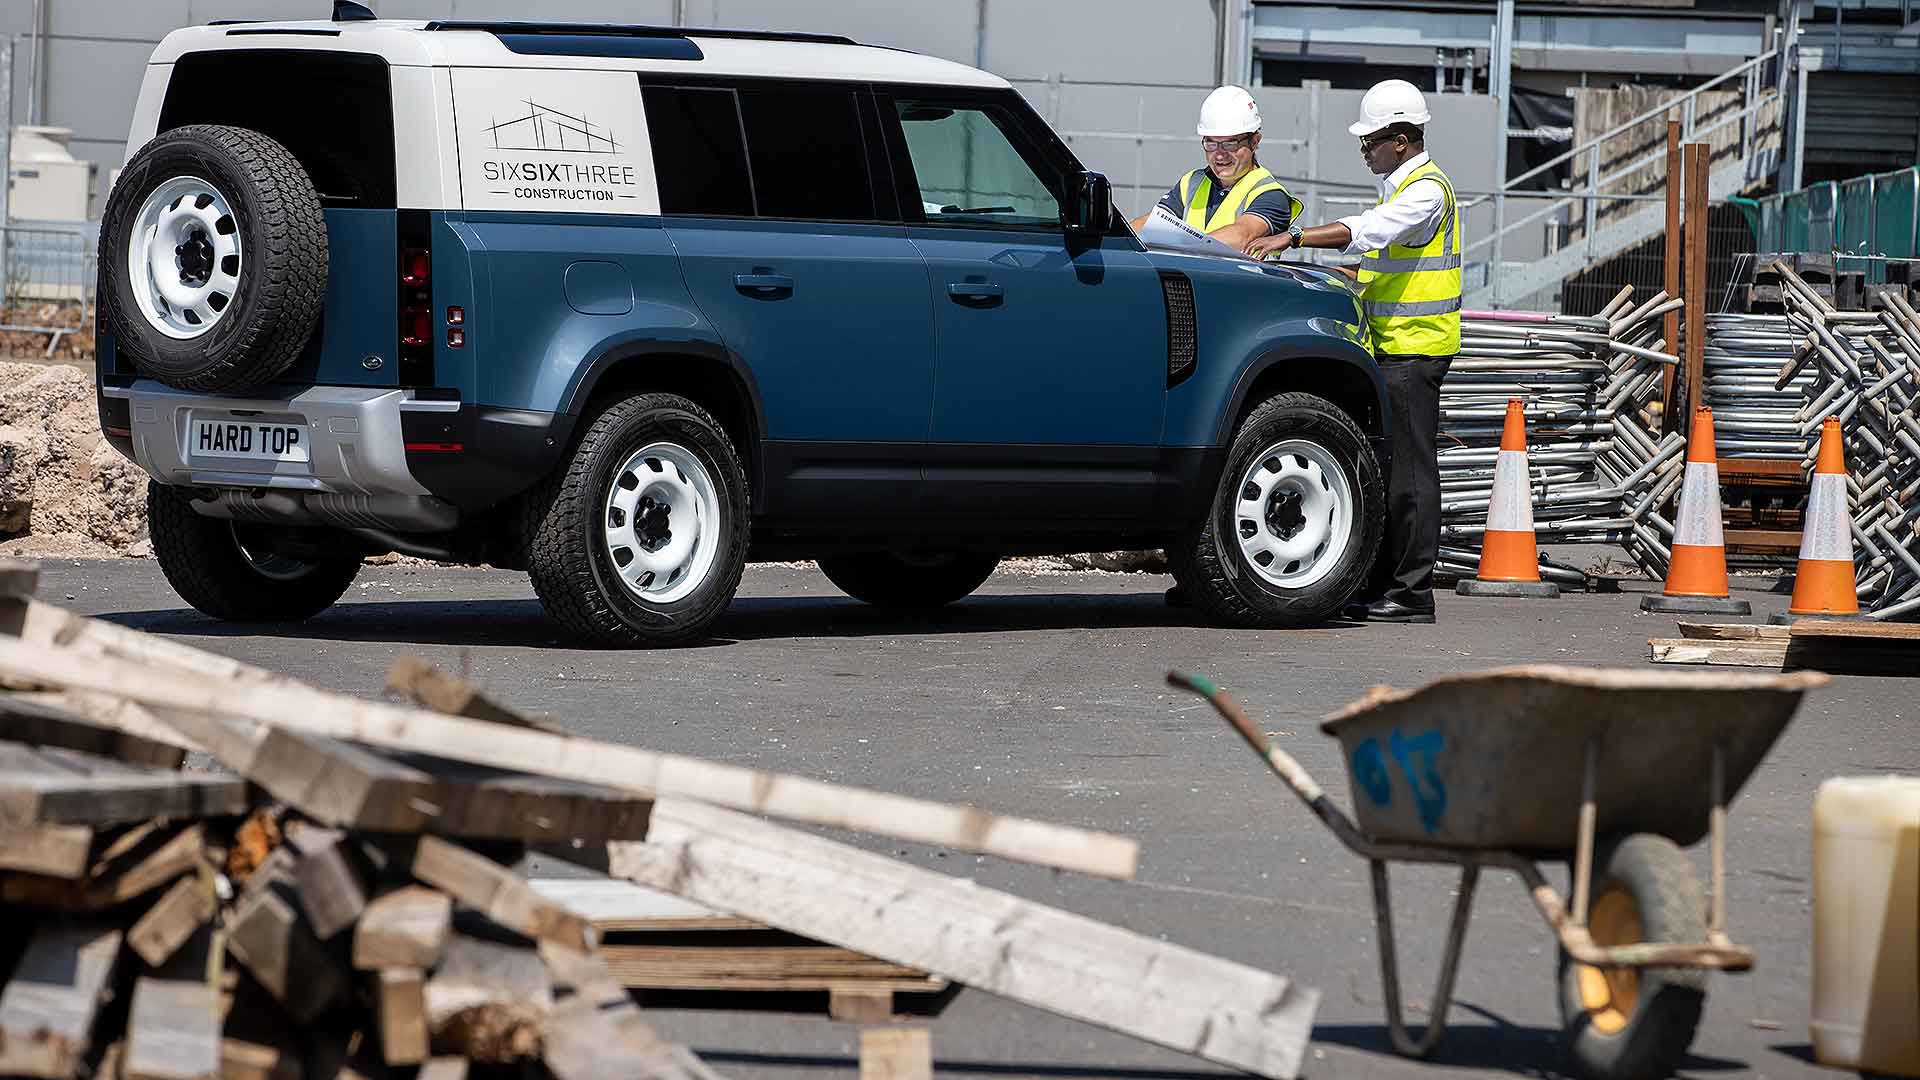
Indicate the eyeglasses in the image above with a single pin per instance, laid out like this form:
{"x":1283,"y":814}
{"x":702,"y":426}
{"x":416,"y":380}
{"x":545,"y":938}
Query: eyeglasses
{"x":1214,"y":146}
{"x":1368,"y":142}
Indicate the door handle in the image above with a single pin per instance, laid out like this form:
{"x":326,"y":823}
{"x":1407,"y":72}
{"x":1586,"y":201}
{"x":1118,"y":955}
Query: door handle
{"x":978,"y":293}
{"x":764,"y":286}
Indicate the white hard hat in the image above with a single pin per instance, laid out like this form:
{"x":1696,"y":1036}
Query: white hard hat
{"x":1228,"y":111}
{"x":1395,"y":101}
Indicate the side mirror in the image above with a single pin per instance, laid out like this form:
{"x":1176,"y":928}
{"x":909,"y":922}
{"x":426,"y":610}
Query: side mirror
{"x":1089,"y":208}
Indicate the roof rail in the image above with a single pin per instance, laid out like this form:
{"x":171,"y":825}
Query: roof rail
{"x":615,"y":30}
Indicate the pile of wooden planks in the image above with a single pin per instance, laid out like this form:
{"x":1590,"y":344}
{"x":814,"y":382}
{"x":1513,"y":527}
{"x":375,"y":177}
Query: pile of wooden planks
{"x":1841,"y":647}
{"x":333,"y":812}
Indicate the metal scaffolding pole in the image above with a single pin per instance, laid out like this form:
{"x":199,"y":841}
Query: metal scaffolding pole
{"x":1501,"y":75}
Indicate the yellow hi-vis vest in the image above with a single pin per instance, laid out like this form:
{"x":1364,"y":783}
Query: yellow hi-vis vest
{"x":1411,"y":292}
{"x":1197,"y":187}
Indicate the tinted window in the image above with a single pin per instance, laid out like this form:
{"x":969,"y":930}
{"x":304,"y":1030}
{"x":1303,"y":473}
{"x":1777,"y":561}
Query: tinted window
{"x":333,"y":111}
{"x":697,"y":153}
{"x":969,"y":171}
{"x":809,"y":160}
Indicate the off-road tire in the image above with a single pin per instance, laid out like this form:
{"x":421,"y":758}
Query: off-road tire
{"x":283,"y":272}
{"x":892,"y":580}
{"x":1666,"y":895}
{"x":203,"y":560}
{"x":571,"y":569}
{"x":1222,"y":585}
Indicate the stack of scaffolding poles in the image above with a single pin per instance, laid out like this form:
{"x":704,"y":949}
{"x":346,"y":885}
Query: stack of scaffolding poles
{"x":1864,"y":368}
{"x":1597,"y":470}
{"x":1754,"y":414}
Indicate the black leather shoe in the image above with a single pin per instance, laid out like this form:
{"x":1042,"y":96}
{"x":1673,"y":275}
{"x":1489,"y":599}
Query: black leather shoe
{"x":1177,"y":597}
{"x":1394,"y":611}
{"x":1356,"y":609}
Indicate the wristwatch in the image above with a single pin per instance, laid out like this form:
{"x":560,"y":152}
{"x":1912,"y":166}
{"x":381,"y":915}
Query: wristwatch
{"x":1294,"y":231}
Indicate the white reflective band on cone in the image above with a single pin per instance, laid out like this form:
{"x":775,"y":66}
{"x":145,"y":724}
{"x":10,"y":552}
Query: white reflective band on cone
{"x":1824,"y":533}
{"x":1699,"y":522}
{"x":1511,"y":509}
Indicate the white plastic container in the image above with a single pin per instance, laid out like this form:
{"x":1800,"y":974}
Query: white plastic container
{"x":1866,"y":924}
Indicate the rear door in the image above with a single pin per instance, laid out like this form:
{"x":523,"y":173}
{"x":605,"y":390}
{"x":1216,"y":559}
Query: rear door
{"x":1050,"y":352}
{"x":795,"y":253}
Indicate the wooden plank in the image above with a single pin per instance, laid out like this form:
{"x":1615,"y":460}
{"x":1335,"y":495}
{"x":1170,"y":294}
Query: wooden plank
{"x":173,"y":1031}
{"x":431,"y":688}
{"x":1760,"y":654}
{"x":1670,"y":249}
{"x":49,"y":720}
{"x":401,"y":1008}
{"x":1762,"y":469}
{"x":693,"y":965}
{"x":330,"y":877}
{"x":498,"y":893}
{"x":487,"y":1001}
{"x":138,"y":861}
{"x":173,"y":918}
{"x":1697,"y":631}
{"x":584,"y":760}
{"x":444,"y":1068}
{"x":595,"y":1030}
{"x":48,"y":1007}
{"x":271,"y":942}
{"x":1172,"y":996}
{"x":1761,"y":541}
{"x":903,"y":1053}
{"x":622,"y":906}
{"x":860,"y":1006}
{"x":242,"y":1059}
{"x":404,"y":928}
{"x":62,"y":851}
{"x":1698,"y":162}
{"x":1856,"y":630}
{"x":53,"y":786}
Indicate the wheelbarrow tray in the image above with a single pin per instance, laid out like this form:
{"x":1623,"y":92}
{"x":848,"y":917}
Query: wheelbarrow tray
{"x":1497,"y":759}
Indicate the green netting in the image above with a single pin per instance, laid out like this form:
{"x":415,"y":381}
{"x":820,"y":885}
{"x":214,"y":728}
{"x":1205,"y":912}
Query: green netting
{"x":1822,"y":203}
{"x":1853,"y":217}
{"x":1795,"y":235}
{"x":1896,"y":200}
{"x":1868,"y":215}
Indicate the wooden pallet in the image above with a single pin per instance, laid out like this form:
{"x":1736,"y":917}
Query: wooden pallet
{"x":1845,"y":647}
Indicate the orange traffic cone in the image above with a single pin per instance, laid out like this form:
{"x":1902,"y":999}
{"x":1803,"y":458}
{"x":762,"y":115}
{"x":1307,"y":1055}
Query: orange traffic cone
{"x":1697,"y":575}
{"x":1509,"y":561}
{"x":1823,"y":586}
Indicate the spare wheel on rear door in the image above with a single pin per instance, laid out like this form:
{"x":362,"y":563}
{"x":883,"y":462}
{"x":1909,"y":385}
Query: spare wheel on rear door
{"x":213,"y":258}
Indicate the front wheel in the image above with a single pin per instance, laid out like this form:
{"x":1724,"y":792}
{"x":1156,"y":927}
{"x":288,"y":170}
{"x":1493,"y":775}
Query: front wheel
{"x":904,"y":579}
{"x":226,"y":570}
{"x":1295,"y":521}
{"x":641,"y":537}
{"x":1628,"y":1023}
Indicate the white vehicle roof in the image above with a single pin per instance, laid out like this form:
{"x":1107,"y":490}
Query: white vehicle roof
{"x":411,"y":44}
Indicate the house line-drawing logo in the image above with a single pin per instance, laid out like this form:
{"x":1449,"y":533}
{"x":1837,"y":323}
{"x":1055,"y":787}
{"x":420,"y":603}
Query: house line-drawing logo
{"x":545,"y":128}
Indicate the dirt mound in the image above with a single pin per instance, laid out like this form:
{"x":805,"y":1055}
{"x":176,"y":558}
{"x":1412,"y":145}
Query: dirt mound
{"x":64,"y":490}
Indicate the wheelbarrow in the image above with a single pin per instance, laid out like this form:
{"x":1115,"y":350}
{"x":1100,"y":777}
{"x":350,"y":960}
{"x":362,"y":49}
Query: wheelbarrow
{"x":1480,"y":770}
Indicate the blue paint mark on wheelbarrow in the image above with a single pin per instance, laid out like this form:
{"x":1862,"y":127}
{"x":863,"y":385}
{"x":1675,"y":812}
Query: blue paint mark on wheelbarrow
{"x":1370,"y":772}
{"x":1417,"y":757}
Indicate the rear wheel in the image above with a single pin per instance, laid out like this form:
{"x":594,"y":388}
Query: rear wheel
{"x":1629,"y":1023}
{"x":909,"y":579}
{"x":228,"y":571}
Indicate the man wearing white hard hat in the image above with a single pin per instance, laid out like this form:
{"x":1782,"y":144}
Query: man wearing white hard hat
{"x":1232,"y":198}
{"x":1410,"y":291}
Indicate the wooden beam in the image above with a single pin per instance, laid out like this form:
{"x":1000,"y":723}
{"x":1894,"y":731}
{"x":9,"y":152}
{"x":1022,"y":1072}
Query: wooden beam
{"x":242,"y":1059}
{"x":903,"y":1053}
{"x":51,"y":786}
{"x":172,"y":919}
{"x":61,"y":851}
{"x":134,"y":863}
{"x":431,"y":688}
{"x":404,"y":928}
{"x":498,"y":893}
{"x":269,"y":940}
{"x":1732,"y":631}
{"x":1698,"y":156}
{"x":860,"y":1006}
{"x":595,"y":1030}
{"x":444,"y":1068}
{"x":40,"y":720}
{"x":1671,"y":245}
{"x":48,"y":1007}
{"x":402,"y":1010}
{"x":1857,"y":630}
{"x":1760,"y":654}
{"x":1165,"y":994}
{"x":173,"y":1031}
{"x":616,"y":906}
{"x":585,"y":760}
{"x":331,"y":879}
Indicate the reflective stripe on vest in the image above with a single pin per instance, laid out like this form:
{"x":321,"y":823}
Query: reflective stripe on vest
{"x":1197,"y":187}
{"x":1411,"y":293}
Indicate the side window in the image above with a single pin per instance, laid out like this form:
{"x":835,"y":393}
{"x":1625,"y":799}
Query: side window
{"x":969,"y":171}
{"x":809,"y":158}
{"x":698,"y":155}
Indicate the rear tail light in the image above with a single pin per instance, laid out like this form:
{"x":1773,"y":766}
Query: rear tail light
{"x":456,"y":316}
{"x":416,"y":327}
{"x":456,"y":337}
{"x":416,"y":266}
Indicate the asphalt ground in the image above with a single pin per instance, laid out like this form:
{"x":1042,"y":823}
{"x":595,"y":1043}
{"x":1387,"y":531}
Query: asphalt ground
{"x":1043,"y":696}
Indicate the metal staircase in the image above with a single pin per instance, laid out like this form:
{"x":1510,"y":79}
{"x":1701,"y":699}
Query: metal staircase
{"x":1495,"y":281}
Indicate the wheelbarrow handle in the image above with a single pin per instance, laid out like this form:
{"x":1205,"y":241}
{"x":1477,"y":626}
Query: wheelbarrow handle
{"x":1281,"y":762}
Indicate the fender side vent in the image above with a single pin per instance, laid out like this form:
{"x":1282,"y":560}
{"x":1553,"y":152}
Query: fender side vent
{"x":1183,"y":344}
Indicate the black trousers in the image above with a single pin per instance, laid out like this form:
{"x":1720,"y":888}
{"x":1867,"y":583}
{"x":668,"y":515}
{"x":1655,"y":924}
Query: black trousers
{"x":1404,"y":571}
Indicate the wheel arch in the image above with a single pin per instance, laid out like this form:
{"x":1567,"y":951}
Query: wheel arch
{"x":1352,"y":382}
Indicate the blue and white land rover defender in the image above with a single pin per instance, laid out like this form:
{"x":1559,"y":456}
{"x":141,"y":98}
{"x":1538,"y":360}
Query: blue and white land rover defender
{"x":626,"y":307}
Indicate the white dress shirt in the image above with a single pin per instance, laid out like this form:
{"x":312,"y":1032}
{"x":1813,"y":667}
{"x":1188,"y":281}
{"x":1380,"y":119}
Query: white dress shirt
{"x":1414,"y":214}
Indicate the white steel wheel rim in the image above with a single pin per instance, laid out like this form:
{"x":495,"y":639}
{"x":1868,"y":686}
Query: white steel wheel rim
{"x":661,"y":523}
{"x":1293,"y":513}
{"x":184,"y":257}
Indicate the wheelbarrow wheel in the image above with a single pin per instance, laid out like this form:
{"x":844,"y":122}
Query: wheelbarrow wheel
{"x":1626,"y":1023}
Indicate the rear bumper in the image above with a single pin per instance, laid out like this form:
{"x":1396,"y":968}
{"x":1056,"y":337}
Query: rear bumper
{"x":356,"y":475}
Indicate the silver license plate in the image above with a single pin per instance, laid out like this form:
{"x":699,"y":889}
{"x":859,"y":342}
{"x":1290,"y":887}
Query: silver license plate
{"x":249,"y":440}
